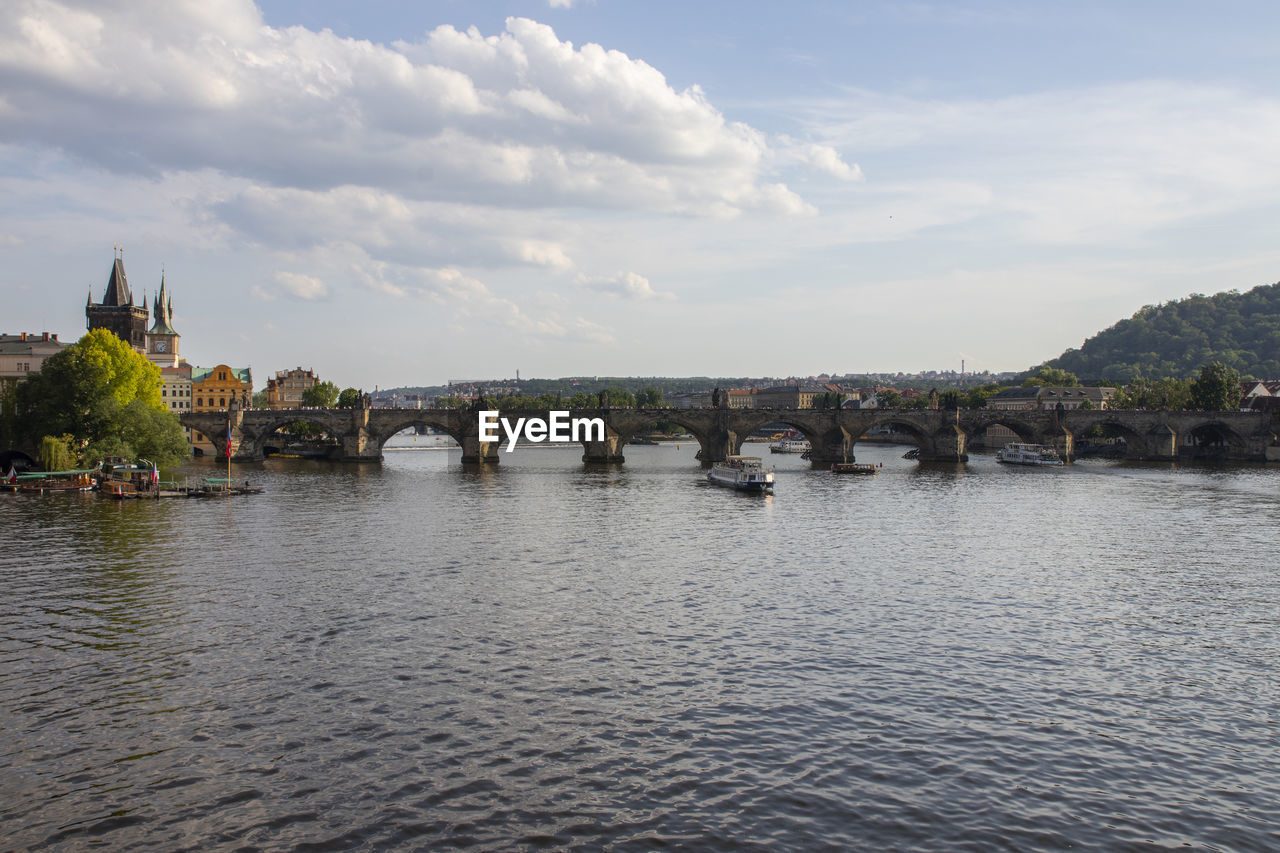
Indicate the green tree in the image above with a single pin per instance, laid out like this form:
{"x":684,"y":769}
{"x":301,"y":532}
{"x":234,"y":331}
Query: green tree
{"x":1052,"y":377}
{"x":56,"y":453}
{"x":259,"y":400}
{"x":1153,"y":394}
{"x":321,"y":395}
{"x":1217,"y":389}
{"x":650,"y":397}
{"x":976,"y":398}
{"x":889,"y":399}
{"x":349,"y":398}
{"x":82,"y":390}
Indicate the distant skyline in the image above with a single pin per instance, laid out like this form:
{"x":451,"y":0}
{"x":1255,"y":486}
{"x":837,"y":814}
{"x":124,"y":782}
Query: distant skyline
{"x":399,"y":193}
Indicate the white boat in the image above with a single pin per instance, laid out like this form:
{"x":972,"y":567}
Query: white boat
{"x":1028,"y":454}
{"x":788,"y":444}
{"x":742,"y":472}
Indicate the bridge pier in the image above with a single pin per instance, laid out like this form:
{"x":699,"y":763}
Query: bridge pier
{"x":719,"y":442}
{"x":946,"y":445}
{"x":827,"y":448}
{"x":607,"y":451}
{"x":1162,"y":445}
{"x":476,"y":451}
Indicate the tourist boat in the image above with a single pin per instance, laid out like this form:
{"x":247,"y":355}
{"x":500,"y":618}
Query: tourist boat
{"x":788,"y":443}
{"x":122,"y":480}
{"x":855,"y":468}
{"x":742,"y":472}
{"x":1028,"y":454}
{"x":80,"y":480}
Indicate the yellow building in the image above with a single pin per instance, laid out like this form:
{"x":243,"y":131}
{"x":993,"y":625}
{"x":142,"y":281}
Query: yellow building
{"x":212,"y":390}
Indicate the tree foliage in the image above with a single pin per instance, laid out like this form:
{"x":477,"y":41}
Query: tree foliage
{"x":1216,"y":389}
{"x":1240,"y":330}
{"x":1051,"y":377}
{"x":56,"y":453}
{"x":1153,"y":394}
{"x":99,"y":392}
{"x":322,"y":395}
{"x":349,"y":398}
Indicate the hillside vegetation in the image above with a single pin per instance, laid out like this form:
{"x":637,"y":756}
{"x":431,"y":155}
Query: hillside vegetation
{"x":1241,"y":330}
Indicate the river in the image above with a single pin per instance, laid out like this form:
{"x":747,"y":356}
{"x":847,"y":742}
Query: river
{"x":544,"y":655}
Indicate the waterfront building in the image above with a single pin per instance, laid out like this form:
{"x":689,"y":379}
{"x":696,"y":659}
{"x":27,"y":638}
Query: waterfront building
{"x":116,"y":312}
{"x":22,"y":354}
{"x":215,"y":389}
{"x":285,"y":389}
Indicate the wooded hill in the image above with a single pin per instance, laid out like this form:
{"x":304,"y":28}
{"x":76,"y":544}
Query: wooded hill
{"x":1241,"y":330}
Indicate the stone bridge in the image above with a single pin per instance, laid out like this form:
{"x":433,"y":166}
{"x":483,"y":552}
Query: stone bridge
{"x":940,"y":435}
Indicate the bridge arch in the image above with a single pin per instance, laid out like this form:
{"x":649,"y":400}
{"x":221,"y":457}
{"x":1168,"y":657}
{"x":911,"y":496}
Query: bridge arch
{"x":1211,"y":439}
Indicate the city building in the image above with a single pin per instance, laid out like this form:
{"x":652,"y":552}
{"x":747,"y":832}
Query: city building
{"x":116,"y":312}
{"x":1046,"y":397}
{"x":213,"y":389}
{"x":23,"y":353}
{"x":787,"y":396}
{"x":285,"y":389}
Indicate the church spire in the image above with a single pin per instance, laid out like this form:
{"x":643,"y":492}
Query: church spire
{"x":162,"y":310}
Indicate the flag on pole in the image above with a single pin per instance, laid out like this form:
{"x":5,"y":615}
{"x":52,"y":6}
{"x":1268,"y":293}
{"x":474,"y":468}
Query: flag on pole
{"x":12,"y":476}
{"x":228,"y":441}
{"x":155,"y":474}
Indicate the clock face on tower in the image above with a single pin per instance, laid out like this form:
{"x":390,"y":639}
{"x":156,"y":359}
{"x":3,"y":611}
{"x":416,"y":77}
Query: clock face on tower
{"x":161,"y":346}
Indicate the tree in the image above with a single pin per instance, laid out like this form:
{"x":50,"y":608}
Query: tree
{"x":82,"y":390}
{"x":889,"y":399}
{"x":650,"y":398}
{"x":56,"y":454}
{"x":322,"y":395}
{"x":1052,"y":377}
{"x":1217,"y":389}
{"x":1153,"y":394}
{"x":349,"y":398}
{"x":259,"y":400}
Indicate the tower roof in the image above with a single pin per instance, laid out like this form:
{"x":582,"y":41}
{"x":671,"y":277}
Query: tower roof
{"x":117,"y":286}
{"x":162,"y":310}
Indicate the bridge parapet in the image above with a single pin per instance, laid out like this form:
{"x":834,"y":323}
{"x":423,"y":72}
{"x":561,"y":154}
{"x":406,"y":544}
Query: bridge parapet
{"x":833,"y":434}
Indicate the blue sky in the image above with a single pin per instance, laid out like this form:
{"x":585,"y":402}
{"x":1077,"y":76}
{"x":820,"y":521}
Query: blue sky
{"x":407,"y":192}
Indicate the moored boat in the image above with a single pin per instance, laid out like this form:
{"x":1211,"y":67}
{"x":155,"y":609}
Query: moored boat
{"x":122,"y":480}
{"x":745,"y":473}
{"x":1018,"y":453}
{"x":855,"y":468}
{"x":79,"y":480}
{"x":788,"y":443}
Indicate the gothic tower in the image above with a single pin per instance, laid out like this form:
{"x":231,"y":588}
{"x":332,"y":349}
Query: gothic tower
{"x":117,"y":313}
{"x":162,"y":340}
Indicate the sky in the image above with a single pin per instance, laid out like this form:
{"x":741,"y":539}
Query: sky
{"x":406,"y":192}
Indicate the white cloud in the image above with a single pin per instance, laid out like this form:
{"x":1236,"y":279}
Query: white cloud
{"x":304,"y":287}
{"x":628,"y":285}
{"x":1095,"y":165}
{"x":521,"y":118}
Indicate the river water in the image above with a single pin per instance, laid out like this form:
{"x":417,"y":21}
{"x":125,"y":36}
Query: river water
{"x":550,"y":656}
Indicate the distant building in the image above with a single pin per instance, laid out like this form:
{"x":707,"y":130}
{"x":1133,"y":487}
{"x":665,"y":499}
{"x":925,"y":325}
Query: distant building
{"x":285,"y":389}
{"x":212,"y":390}
{"x":116,"y":312}
{"x":788,"y":396}
{"x":22,"y":354}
